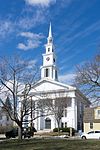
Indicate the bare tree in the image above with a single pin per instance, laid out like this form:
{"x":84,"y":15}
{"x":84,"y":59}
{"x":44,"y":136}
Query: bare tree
{"x":56,"y":105}
{"x":16,"y":79}
{"x":88,"y":79}
{"x":60,"y":105}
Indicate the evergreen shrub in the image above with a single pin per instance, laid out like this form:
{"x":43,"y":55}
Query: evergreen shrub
{"x":65,"y":130}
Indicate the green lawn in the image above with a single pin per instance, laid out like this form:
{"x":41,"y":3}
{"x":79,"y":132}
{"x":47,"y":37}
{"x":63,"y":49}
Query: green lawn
{"x":50,"y":144}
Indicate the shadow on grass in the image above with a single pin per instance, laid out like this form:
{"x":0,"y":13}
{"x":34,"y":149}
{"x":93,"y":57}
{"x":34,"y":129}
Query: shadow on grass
{"x":49,"y":144}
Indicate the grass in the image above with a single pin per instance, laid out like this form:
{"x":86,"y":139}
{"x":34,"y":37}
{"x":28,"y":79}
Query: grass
{"x":50,"y":144}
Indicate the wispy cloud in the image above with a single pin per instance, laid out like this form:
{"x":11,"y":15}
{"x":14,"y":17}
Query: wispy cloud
{"x":33,"y":40}
{"x":43,"y":3}
{"x":65,"y":3}
{"x":6,"y":28}
{"x":76,"y":22}
{"x":67,"y":78}
{"x":32,"y":35}
{"x":74,"y":38}
{"x":28,"y":45}
{"x":24,"y":22}
{"x":30,"y":21}
{"x":32,"y":63}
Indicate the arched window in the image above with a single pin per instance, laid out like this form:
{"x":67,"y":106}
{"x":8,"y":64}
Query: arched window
{"x":47,"y":123}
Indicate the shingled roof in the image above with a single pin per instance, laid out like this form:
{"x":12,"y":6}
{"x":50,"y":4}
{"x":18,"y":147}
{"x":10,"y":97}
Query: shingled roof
{"x":89,"y":116}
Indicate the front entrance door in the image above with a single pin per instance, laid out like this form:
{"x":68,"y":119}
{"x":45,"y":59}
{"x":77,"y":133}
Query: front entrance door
{"x":47,"y":123}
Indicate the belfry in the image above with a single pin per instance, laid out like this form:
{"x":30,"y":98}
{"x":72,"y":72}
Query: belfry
{"x":49,"y":69}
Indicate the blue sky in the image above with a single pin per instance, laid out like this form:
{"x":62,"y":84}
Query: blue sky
{"x":75,"y":25}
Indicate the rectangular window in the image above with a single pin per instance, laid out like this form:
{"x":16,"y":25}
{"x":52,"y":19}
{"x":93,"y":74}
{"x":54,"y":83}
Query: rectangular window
{"x":46,"y":72}
{"x":48,"y":49}
{"x":78,"y":126}
{"x":65,"y":115}
{"x":65,"y":124}
{"x":91,"y":125}
{"x":98,"y":112}
{"x":55,"y":74}
{"x":62,"y":124}
{"x":69,"y":102}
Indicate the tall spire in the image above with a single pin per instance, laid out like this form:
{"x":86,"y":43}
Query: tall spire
{"x":50,"y":39}
{"x":49,"y":69}
{"x":50,"y":32}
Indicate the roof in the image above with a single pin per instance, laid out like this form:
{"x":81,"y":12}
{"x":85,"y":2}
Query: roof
{"x":89,"y":115}
{"x":57,"y":83}
{"x":50,"y":86}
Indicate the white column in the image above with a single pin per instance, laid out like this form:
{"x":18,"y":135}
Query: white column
{"x":74,"y":109}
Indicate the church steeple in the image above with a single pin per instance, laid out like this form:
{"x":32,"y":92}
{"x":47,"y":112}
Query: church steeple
{"x":49,"y":45}
{"x":49,"y":69}
{"x":50,"y":39}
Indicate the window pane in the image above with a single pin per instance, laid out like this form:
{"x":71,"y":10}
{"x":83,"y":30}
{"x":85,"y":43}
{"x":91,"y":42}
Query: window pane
{"x":65,"y":115}
{"x":65,"y":124}
{"x":97,"y":131}
{"x":62,"y":124}
{"x":98,"y":112}
{"x":48,"y":49}
{"x":91,"y":125}
{"x":91,"y":132}
{"x":47,"y":123}
{"x":56,"y":74}
{"x":46,"y":72}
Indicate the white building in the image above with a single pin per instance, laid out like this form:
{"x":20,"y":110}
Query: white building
{"x":5,"y":122}
{"x":48,"y":85}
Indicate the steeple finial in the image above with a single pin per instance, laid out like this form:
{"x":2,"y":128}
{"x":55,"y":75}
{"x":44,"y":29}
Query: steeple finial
{"x":50,"y":39}
{"x":50,"y":32}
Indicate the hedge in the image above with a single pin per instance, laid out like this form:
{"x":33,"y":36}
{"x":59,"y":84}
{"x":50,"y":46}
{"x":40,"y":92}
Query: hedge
{"x":65,"y":130}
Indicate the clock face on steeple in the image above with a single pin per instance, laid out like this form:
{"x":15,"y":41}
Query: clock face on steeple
{"x":49,"y":69}
{"x":48,"y":58}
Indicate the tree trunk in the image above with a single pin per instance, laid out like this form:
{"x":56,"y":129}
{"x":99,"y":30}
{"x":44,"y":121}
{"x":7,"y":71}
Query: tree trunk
{"x":20,"y":132}
{"x":58,"y":128}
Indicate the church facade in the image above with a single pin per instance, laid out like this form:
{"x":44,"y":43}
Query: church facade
{"x":48,"y":87}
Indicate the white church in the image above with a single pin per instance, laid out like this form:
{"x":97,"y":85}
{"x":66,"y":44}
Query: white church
{"x":48,"y":85}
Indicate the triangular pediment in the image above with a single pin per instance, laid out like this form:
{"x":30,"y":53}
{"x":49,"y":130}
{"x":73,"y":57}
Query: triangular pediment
{"x":50,"y":85}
